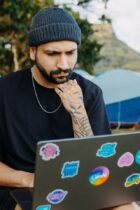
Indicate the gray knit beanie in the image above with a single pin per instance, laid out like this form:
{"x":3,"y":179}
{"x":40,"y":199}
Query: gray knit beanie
{"x":53,"y":24}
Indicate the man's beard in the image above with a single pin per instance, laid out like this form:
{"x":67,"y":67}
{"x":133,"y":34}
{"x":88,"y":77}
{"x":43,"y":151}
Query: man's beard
{"x":49,"y":77}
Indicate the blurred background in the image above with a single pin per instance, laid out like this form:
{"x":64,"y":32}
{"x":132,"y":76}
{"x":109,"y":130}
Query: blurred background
{"x":109,"y":55}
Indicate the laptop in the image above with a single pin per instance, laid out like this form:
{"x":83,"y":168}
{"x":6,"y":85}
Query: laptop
{"x":87,"y":173}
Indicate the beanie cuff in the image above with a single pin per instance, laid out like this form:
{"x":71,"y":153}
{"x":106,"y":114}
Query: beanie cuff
{"x":54,"y":32}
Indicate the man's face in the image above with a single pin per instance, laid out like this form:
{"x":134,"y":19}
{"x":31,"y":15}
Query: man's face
{"x":55,"y":60}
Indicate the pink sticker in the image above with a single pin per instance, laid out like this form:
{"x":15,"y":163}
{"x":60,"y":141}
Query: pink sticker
{"x":49,"y":151}
{"x":126,"y":159}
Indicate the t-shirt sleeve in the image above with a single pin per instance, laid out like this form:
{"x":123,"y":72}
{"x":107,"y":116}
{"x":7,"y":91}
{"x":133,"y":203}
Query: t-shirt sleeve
{"x":1,"y":149}
{"x":97,"y":114}
{"x":1,"y":121}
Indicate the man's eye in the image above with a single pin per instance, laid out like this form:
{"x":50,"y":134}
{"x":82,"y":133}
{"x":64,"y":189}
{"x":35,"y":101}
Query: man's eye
{"x":52,"y":54}
{"x":70,"y":53}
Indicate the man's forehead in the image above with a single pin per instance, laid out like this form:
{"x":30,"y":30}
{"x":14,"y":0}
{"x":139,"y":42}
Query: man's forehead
{"x":60,"y":46}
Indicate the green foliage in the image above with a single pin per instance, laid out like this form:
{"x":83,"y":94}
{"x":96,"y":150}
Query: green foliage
{"x":83,"y":2}
{"x":14,"y":25}
{"x":89,"y":52}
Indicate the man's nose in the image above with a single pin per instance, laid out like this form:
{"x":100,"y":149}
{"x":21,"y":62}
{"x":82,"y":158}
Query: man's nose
{"x":62,"y":62}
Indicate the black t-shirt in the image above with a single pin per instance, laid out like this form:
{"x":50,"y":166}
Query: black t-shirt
{"x":23,"y":123}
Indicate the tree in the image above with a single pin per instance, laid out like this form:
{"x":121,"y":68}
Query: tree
{"x":14,"y":25}
{"x":88,"y":53}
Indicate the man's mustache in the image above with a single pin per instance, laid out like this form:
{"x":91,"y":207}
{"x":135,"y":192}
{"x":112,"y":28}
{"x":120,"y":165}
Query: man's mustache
{"x":59,"y":71}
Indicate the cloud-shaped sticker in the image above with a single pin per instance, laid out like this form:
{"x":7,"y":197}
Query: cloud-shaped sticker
{"x":49,"y":151}
{"x":107,"y":150}
{"x":126,"y":159}
{"x":132,"y":179}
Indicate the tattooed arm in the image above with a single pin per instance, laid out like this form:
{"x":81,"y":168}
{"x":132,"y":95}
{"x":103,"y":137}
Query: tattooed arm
{"x":72,"y":99}
{"x":80,"y":121}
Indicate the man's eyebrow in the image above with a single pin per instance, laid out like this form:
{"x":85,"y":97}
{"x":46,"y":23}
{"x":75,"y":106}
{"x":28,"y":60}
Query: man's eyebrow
{"x":73,"y":49}
{"x":57,"y":51}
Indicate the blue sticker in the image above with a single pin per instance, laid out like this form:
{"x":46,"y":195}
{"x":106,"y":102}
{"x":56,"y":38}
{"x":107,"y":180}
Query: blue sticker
{"x":56,"y":196}
{"x":132,"y":179}
{"x":70,"y":169}
{"x":107,"y":150}
{"x":44,"y":207}
{"x":137,"y":157}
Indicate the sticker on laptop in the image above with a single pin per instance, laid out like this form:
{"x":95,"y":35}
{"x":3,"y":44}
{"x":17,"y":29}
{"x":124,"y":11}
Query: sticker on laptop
{"x":132,"y":179}
{"x":44,"y":207}
{"x":70,"y":169}
{"x":107,"y":150}
{"x":137,"y":157}
{"x":56,"y":196}
{"x":125,"y":160}
{"x":49,"y":151}
{"x":99,"y":175}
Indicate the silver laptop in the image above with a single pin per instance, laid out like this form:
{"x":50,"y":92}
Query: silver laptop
{"x":87,"y":173}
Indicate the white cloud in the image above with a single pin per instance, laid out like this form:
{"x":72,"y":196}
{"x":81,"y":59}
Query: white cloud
{"x":125,"y":17}
{"x":66,"y":1}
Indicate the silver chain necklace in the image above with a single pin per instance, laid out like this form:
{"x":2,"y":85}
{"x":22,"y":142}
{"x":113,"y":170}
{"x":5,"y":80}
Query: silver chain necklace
{"x":48,"y":112}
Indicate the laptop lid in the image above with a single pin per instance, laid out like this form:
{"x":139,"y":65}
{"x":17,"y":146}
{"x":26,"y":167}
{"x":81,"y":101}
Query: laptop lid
{"x":87,"y":173}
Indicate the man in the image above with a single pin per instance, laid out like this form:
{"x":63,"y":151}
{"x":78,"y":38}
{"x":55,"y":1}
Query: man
{"x":48,"y":101}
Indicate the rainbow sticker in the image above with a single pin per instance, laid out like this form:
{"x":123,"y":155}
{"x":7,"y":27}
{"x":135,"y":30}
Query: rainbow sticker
{"x":99,"y":175}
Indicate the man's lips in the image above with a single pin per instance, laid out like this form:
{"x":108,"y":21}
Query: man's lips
{"x":61,"y":75}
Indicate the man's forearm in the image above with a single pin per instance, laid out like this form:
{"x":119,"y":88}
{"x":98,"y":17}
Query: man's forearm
{"x":13,"y":178}
{"x":81,"y":124}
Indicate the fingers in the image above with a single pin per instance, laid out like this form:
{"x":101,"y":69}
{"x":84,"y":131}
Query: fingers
{"x":69,"y":86}
{"x":58,"y":91}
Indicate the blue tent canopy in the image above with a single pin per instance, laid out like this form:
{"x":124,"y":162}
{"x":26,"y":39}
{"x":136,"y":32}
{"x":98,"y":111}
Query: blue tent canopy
{"x":126,"y":111}
{"x":121,"y":91}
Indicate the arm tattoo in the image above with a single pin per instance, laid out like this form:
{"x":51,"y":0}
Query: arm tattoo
{"x":81,"y":125}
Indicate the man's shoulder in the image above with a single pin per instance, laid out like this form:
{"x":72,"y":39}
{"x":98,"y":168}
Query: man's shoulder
{"x":14,"y":74}
{"x":13,"y":77}
{"x":13,"y":81}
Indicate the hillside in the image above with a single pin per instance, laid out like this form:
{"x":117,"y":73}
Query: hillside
{"x":114,"y":53}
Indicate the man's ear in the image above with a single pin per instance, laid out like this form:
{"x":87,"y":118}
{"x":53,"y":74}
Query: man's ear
{"x":32,"y":53}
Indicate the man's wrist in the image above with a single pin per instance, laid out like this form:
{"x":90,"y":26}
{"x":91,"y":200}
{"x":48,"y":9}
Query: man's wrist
{"x":77,"y":110}
{"x":22,"y":178}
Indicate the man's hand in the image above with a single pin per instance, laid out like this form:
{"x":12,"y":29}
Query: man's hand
{"x":71,"y":95}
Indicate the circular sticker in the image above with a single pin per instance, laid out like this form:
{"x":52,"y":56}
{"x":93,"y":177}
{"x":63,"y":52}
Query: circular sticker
{"x":137,"y":157}
{"x":99,"y":175}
